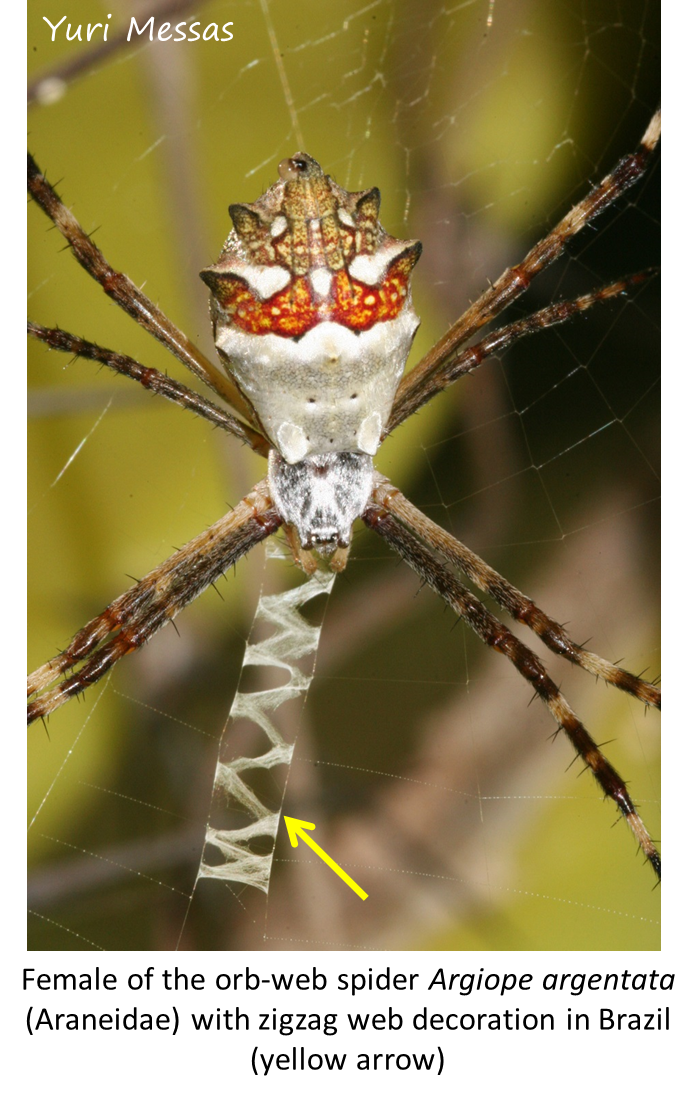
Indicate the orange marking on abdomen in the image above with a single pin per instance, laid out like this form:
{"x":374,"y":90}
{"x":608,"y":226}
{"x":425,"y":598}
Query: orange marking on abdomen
{"x":294,"y":310}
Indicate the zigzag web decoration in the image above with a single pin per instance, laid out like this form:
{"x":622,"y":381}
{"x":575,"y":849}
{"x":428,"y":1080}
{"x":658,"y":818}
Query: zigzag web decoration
{"x":292,"y":640}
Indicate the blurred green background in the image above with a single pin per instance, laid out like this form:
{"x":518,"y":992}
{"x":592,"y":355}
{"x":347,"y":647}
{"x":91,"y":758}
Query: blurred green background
{"x":419,"y":753}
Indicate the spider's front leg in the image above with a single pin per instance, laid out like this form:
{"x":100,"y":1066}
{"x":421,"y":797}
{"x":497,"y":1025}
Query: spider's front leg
{"x":507,"y":596}
{"x":136,"y":616}
{"x":426,"y":563}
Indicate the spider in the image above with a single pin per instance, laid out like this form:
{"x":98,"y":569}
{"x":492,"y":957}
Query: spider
{"x":313,"y":321}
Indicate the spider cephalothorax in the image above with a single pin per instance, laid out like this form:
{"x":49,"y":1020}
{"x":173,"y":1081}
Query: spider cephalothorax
{"x":312,"y":316}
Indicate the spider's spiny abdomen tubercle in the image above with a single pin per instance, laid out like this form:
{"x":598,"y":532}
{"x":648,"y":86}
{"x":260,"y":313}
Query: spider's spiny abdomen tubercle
{"x":312,"y":312}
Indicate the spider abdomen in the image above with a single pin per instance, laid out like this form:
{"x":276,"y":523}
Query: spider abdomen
{"x":312,"y":312}
{"x":329,"y":391}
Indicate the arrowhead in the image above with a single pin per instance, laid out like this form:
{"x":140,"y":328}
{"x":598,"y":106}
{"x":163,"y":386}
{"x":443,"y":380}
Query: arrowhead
{"x":295,"y":829}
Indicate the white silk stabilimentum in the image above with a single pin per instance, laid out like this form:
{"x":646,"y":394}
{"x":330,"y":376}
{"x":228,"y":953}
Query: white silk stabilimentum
{"x":292,"y":640}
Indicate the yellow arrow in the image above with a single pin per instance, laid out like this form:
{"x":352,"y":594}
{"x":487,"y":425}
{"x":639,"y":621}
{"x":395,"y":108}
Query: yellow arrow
{"x":295,"y":829}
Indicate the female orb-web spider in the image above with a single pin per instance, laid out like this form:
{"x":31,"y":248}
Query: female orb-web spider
{"x":313,"y":321}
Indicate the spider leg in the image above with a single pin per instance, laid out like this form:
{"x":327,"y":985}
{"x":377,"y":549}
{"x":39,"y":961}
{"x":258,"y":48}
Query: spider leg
{"x":428,"y":566}
{"x":515,"y":280}
{"x":507,"y":596}
{"x":126,"y":294}
{"x":466,"y":360}
{"x":150,"y":379}
{"x":135,"y":616}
